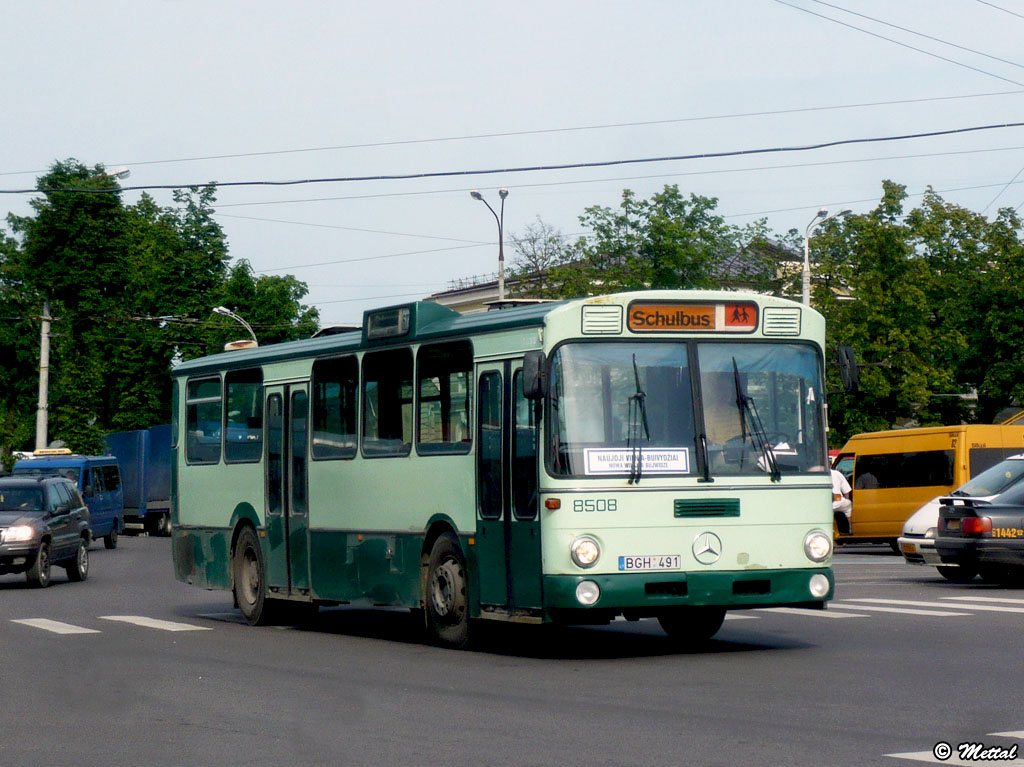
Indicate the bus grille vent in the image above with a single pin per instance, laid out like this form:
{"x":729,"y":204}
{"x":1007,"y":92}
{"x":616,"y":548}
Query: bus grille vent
{"x":780,"y":321}
{"x":666,"y":588}
{"x":707,"y":507}
{"x":602,"y":320}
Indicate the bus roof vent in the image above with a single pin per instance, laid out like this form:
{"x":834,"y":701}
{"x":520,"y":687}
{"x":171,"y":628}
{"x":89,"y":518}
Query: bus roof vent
{"x":602,"y":320}
{"x":779,"y":321}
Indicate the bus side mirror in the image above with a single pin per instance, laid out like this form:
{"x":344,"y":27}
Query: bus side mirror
{"x":535,"y":375}
{"x":849,"y":375}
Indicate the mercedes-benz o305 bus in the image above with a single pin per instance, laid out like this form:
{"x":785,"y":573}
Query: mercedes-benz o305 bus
{"x":649,"y":455}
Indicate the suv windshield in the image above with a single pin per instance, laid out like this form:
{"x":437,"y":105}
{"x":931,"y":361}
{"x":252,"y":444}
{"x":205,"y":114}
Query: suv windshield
{"x":26,"y":499}
{"x":628,"y":409}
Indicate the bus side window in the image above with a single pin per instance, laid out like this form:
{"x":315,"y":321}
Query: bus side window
{"x":335,"y":389}
{"x":244,"y":418}
{"x":203,"y":421}
{"x":445,"y":385}
{"x":387,"y":403}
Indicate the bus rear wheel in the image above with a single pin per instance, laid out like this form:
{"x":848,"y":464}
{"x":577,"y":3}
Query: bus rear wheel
{"x":249,"y":579}
{"x":692,"y":625}
{"x":447,"y":604}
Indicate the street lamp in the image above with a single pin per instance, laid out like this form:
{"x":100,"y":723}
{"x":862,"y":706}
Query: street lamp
{"x":225,"y":312}
{"x":502,"y":193}
{"x":43,"y":405}
{"x":820,"y":218}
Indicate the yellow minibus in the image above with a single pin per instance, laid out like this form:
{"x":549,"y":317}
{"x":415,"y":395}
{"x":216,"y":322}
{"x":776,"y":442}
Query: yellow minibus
{"x":897,"y":472}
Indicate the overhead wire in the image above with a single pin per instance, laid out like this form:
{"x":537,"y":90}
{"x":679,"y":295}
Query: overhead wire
{"x":1000,"y":8}
{"x":536,"y":168}
{"x":897,"y":42}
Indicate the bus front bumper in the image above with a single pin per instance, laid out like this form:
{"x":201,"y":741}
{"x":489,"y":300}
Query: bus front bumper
{"x":646,"y":594}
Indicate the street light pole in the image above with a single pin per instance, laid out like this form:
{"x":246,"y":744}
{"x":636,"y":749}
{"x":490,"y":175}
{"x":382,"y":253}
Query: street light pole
{"x":43,"y":407}
{"x":820,"y":218}
{"x":502,"y":193}
{"x":224,"y":311}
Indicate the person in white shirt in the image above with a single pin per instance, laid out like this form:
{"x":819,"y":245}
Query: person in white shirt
{"x":842,"y":506}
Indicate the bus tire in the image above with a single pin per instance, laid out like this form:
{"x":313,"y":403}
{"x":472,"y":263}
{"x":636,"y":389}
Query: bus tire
{"x":248,"y":578}
{"x":692,"y":625}
{"x":446,"y":599}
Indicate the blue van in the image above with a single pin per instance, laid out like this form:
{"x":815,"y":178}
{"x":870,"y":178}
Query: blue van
{"x":98,"y":479}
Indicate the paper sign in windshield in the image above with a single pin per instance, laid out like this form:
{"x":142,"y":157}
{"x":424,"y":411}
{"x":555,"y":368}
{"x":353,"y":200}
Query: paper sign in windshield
{"x":660,"y":460}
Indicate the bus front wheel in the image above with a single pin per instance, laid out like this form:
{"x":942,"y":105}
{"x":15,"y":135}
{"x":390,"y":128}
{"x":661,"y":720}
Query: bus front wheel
{"x":447,"y":605}
{"x":692,"y":625}
{"x":249,"y":580}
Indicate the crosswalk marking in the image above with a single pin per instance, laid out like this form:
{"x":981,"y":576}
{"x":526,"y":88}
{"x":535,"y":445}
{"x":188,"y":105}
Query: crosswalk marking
{"x":914,"y":603}
{"x":153,"y":623}
{"x":55,"y":626}
{"x":930,"y":758}
{"x":1006,"y":600}
{"x":900,"y":610}
{"x":812,"y":613}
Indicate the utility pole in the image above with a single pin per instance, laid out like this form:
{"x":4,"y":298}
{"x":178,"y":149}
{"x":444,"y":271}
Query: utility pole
{"x":42,"y":412}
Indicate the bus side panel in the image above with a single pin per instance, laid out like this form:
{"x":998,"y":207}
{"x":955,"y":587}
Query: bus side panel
{"x":368,"y":520}
{"x":202,"y":557}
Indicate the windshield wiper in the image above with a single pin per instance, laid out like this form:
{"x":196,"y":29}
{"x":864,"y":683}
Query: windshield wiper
{"x":637,"y":418}
{"x":746,"y":406}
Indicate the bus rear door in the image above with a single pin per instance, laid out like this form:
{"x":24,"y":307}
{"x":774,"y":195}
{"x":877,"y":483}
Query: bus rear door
{"x":287,"y":490}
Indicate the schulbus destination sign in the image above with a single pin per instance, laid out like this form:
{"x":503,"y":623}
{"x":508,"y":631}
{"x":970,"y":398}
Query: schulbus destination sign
{"x":673,"y":317}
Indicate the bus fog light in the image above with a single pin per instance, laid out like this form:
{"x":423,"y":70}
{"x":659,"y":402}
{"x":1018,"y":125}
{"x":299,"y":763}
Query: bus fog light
{"x":819,"y":585}
{"x":584,"y":551}
{"x":817,"y":546}
{"x":587,"y":593}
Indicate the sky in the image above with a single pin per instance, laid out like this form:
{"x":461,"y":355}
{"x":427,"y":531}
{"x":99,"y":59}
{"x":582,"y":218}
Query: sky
{"x":187,"y":92}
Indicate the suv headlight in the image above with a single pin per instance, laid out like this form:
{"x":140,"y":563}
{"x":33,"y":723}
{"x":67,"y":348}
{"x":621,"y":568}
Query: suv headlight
{"x":18,"y":533}
{"x":585,"y":551}
{"x":817,"y":546}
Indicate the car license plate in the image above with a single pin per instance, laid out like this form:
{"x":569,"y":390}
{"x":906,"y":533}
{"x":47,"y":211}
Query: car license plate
{"x":650,"y":562}
{"x":952,"y":524}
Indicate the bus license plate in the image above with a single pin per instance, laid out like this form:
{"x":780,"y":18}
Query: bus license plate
{"x":651,"y":562}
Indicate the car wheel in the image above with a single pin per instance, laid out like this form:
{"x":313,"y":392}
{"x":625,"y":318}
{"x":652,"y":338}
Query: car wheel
{"x":110,"y":539}
{"x":249,"y":579}
{"x":964,"y":574}
{"x":79,"y":570}
{"x":447,"y":604}
{"x":38,"y":574}
{"x":692,"y":625}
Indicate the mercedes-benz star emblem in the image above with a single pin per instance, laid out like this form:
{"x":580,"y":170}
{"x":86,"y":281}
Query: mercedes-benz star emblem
{"x":707,"y":548}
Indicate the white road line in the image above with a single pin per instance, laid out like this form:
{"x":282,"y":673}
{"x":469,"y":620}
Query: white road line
{"x":153,"y":623}
{"x":958,"y":605}
{"x":930,"y":758}
{"x":731,"y":616}
{"x":901,"y":610}
{"x":988,"y":599}
{"x":55,"y":626}
{"x":812,"y":613}
{"x":1017,"y":734}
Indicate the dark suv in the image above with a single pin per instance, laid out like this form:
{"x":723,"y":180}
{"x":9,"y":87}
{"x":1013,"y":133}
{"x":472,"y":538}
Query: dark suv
{"x":43,"y":520}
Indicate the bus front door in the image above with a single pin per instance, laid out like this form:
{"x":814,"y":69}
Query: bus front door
{"x":508,"y":529}
{"x":287,"y":490}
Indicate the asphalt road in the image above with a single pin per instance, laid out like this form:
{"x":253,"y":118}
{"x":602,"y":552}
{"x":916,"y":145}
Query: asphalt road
{"x":159,"y":673}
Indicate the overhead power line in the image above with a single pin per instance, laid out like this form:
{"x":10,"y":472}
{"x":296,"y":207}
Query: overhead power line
{"x":919,"y":34}
{"x":535,"y":168}
{"x":1000,"y":8}
{"x":897,"y":42}
{"x":542,"y":131}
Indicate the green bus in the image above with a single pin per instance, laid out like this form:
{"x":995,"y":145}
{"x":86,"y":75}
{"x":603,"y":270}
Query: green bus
{"x":655,"y":454}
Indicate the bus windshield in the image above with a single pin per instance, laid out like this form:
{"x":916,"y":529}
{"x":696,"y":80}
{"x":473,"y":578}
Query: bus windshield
{"x":629,"y":409}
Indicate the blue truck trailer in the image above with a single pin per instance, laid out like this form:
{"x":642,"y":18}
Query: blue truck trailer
{"x":144,"y":456}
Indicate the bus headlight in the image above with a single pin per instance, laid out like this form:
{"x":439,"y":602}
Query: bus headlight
{"x":584,"y":551}
{"x":819,"y":585}
{"x":817,"y":546}
{"x":587,"y":593}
